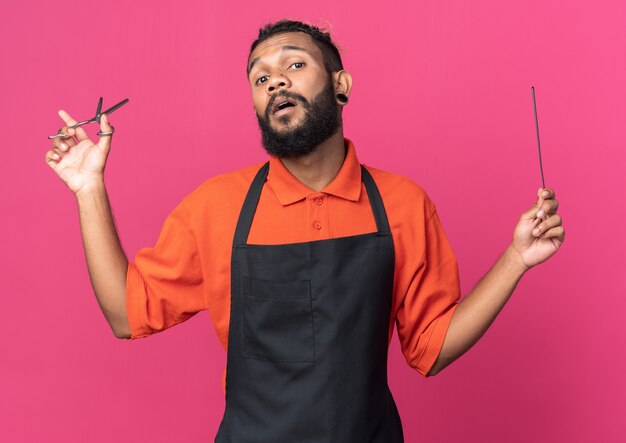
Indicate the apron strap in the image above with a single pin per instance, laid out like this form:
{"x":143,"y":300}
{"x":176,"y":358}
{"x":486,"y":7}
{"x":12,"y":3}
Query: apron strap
{"x":249,"y":206}
{"x":376,"y":201}
{"x":254,"y":193}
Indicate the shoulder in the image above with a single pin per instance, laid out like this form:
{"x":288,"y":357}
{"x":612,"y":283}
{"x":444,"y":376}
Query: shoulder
{"x":222,"y":190}
{"x":401,"y":195}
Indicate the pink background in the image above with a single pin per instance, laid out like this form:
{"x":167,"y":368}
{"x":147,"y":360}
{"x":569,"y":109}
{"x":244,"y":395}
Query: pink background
{"x":441,"y":94}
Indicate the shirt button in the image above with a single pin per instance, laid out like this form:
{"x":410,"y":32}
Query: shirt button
{"x":319,"y":201}
{"x":317,"y":225}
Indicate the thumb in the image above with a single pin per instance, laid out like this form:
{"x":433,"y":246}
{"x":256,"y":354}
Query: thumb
{"x":540,"y":199}
{"x":105,"y":140}
{"x":531,"y":213}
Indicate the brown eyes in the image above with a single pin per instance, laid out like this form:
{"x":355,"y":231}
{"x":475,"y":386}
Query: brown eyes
{"x":264,"y":78}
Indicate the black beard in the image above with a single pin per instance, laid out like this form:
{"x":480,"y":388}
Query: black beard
{"x":319,"y":123}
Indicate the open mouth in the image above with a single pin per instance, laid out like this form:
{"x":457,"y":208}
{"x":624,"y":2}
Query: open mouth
{"x":282,"y":104}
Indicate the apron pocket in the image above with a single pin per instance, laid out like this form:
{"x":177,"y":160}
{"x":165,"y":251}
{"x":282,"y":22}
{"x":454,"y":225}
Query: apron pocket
{"x":278,"y":320}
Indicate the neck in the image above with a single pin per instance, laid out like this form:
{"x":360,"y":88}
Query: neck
{"x":317,"y":169}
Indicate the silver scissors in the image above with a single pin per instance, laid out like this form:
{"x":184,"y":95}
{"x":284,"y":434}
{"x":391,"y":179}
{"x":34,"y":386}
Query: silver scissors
{"x":95,"y":119}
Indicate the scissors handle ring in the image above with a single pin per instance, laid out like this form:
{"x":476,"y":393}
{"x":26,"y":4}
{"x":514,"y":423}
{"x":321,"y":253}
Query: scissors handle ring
{"x":102,"y":134}
{"x":59,"y":134}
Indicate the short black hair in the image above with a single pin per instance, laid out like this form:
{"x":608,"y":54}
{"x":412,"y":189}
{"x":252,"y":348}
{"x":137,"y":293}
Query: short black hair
{"x":330,"y":53}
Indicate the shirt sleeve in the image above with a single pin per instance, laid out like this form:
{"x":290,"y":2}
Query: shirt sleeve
{"x":433,"y":293}
{"x":164,"y":284}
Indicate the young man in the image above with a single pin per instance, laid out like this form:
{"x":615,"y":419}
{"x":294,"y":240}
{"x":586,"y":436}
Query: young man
{"x":305,"y":262}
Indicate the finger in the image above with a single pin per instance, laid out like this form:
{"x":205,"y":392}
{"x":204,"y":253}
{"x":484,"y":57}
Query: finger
{"x":69,"y":134}
{"x":61,"y":145}
{"x":557,"y":232}
{"x":70,"y":140}
{"x":547,"y":193}
{"x":531,"y":213}
{"x":548,"y":208}
{"x":59,"y":153}
{"x":545,"y":226}
{"x":52,"y":158}
{"x":67,"y":140}
{"x":105,"y":140}
{"x":69,"y":121}
{"x":539,"y":198}
{"x":542,"y":194}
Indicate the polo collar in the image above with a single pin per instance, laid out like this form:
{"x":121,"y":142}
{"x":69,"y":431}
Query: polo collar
{"x":346,"y":185}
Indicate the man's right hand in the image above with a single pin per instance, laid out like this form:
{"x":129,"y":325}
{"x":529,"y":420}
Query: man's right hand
{"x":80,"y":164}
{"x":77,"y":160}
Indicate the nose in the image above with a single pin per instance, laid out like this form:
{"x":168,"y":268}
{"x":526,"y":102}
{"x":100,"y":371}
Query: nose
{"x":277,"y":81}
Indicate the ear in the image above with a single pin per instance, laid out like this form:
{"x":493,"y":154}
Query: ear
{"x":342,"y":82}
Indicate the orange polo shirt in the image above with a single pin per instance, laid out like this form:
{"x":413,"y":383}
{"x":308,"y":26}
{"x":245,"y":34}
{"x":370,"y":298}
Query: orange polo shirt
{"x":188,"y":270}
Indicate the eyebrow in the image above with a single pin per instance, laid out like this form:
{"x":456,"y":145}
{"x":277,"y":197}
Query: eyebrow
{"x":284,"y":48}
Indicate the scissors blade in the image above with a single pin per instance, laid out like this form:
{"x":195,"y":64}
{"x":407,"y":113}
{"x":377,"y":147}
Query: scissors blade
{"x":113,"y":108}
{"x":98,"y":109}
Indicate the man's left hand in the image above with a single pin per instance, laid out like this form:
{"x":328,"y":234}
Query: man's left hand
{"x":539,"y":233}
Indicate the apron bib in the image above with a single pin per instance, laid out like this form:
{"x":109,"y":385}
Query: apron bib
{"x":307,"y":342}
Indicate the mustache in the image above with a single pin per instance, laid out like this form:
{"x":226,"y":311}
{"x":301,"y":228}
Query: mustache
{"x":285,"y":94}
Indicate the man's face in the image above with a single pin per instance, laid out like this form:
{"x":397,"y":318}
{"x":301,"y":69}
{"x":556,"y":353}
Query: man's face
{"x":293,"y":94}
